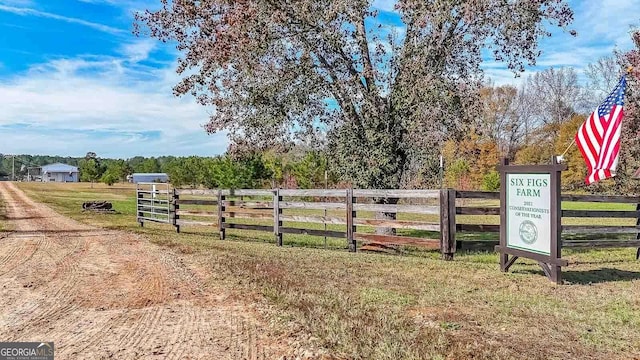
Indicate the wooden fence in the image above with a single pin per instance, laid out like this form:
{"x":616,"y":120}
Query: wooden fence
{"x":447,"y":219}
{"x":573,"y":235}
{"x":288,"y":211}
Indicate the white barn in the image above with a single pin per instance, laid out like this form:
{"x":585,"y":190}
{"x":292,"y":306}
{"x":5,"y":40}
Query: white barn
{"x":59,"y":172}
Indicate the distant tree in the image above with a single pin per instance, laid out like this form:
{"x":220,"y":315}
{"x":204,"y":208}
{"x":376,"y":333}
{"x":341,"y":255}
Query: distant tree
{"x":602,"y":75}
{"x":500,"y":120}
{"x":557,"y":96}
{"x":109,"y":178}
{"x":573,"y":177}
{"x":630,"y":144}
{"x":540,"y":148}
{"x":116,"y":170}
{"x":150,"y":165}
{"x":309,"y":171}
{"x":91,"y":168}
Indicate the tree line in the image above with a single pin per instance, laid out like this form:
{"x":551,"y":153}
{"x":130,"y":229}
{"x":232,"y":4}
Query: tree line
{"x":296,"y":169}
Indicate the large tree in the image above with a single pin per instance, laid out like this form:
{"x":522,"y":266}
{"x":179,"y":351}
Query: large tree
{"x":386,"y":97}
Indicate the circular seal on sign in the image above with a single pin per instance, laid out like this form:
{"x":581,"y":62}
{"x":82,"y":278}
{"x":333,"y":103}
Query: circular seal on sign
{"x":528,"y":232}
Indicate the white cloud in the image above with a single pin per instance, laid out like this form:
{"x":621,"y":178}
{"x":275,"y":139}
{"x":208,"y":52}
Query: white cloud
{"x":23,"y":11}
{"x":139,"y":50}
{"x":101,"y":104}
{"x":607,"y":20}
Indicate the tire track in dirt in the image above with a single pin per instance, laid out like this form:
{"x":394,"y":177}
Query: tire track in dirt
{"x":101,"y":294}
{"x":19,"y":252}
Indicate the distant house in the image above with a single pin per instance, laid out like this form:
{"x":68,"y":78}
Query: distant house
{"x":148,"y":177}
{"x":59,"y":172}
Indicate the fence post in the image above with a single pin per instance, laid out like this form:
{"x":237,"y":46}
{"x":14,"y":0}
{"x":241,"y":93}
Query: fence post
{"x":447,"y":223}
{"x":140,"y":215}
{"x":638,"y":234}
{"x":175,"y":206}
{"x":221,"y":214}
{"x":350,"y":227}
{"x":276,"y":216}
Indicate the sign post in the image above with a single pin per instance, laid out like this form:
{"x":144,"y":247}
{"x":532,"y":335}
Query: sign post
{"x":530,"y":216}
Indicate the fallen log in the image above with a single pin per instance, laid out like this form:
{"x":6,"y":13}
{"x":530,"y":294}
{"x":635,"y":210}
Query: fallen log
{"x":97,"y":206}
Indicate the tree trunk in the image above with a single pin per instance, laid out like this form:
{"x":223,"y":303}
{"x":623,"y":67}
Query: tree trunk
{"x":386,"y":216}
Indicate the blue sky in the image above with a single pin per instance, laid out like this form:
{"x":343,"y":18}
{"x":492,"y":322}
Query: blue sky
{"x":74,"y":79}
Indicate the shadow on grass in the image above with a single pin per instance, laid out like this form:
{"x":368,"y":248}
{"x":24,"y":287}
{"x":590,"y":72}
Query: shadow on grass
{"x":586,"y":277}
{"x":599,"y":276}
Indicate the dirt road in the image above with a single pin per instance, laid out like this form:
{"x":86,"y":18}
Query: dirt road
{"x":112,"y":295}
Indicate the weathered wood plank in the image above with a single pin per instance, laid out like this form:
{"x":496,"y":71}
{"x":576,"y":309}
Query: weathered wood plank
{"x":240,"y":210}
{"x":398,"y":224}
{"x":236,"y":215}
{"x":314,"y":232}
{"x":351,"y":214}
{"x":477,"y":195}
{"x":311,"y":205}
{"x":448,"y":223}
{"x":182,"y":222}
{"x":602,"y":198}
{"x":276,"y":216}
{"x":387,"y":193}
{"x":600,"y":243}
{"x":314,"y":219}
{"x":196,"y":202}
{"x":314,"y":192}
{"x":601,"y":214}
{"x":596,"y":229}
{"x":394,"y":208}
{"x":477,"y":211}
{"x":201,"y":192}
{"x":478,"y":228}
{"x":247,"y":192}
{"x":433,"y":244}
{"x":221,"y":219}
{"x":267,"y":228}
{"x":250,"y":204}
{"x":197,"y":213}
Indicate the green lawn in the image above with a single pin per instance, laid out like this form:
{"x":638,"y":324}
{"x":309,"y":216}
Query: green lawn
{"x":375,"y":306}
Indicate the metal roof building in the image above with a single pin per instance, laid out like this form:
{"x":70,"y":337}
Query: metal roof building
{"x":149,"y":177}
{"x":59,"y":172}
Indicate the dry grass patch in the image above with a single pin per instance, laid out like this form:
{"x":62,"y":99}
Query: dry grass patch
{"x":3,"y":215}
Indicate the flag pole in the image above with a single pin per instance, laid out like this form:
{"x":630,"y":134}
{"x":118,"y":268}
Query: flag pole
{"x":568,"y":147}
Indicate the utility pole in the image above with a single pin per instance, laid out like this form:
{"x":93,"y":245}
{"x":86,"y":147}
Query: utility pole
{"x":13,"y":168}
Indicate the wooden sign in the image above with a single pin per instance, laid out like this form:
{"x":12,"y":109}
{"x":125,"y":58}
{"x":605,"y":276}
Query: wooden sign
{"x":530,"y":215}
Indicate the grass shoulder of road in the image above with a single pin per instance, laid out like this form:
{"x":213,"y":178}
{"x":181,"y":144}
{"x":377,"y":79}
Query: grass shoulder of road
{"x":3,"y":215}
{"x":372,"y":306}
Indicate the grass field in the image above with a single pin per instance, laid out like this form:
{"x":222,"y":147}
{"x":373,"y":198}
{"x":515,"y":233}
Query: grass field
{"x":414,"y":306}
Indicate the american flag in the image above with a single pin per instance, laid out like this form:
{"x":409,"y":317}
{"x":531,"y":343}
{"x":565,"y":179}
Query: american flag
{"x":598,"y":138}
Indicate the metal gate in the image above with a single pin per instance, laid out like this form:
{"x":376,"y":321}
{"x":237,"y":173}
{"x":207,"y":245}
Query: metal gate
{"x":153,"y":202}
